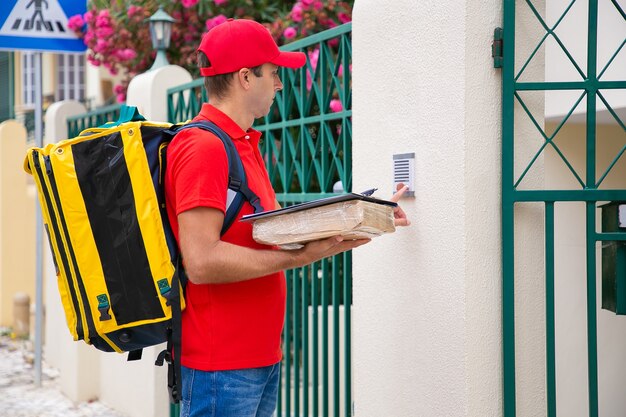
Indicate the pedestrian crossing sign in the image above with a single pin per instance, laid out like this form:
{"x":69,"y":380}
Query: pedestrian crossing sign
{"x":40,"y":25}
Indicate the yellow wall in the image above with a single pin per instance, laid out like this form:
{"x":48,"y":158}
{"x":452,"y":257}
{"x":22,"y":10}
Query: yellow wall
{"x":17,"y":226}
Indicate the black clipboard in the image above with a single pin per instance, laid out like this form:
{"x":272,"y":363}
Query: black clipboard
{"x":316,"y":203}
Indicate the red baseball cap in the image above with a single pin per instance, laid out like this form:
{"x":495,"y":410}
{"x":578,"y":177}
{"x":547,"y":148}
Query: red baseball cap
{"x":242,"y":43}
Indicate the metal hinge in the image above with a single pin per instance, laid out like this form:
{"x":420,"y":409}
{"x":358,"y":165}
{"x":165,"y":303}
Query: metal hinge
{"x":496,"y":48}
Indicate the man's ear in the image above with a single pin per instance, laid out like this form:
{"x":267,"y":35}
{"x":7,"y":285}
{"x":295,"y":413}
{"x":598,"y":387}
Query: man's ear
{"x":243,"y":76}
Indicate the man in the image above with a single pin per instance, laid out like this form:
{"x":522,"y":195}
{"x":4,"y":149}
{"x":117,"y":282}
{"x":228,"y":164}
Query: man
{"x":236,"y":291}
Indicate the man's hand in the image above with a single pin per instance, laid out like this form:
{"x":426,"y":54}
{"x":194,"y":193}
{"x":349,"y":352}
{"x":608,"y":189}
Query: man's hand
{"x":399,"y":215}
{"x":319,"y":249}
{"x":209,"y":260}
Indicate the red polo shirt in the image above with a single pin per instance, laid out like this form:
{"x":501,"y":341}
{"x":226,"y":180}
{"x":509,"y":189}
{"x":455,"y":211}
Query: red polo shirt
{"x":224,"y":326}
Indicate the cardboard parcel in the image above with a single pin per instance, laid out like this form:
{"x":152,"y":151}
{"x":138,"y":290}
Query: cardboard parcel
{"x":352,"y":216}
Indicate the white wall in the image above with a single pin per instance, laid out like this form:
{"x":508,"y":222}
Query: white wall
{"x":137,"y":388}
{"x":482,"y":272}
{"x":427,"y":299}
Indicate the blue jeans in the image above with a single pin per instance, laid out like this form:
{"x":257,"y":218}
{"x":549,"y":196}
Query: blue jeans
{"x":238,"y":393}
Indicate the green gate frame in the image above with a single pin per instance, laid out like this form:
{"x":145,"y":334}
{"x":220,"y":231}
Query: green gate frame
{"x":98,"y":117}
{"x":590,"y":87}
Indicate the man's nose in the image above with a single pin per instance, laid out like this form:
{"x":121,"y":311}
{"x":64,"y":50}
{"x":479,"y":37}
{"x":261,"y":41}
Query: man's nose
{"x":278,"y":84}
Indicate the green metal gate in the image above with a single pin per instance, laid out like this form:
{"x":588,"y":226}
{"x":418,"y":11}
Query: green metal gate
{"x":592,"y":87}
{"x":98,"y":117}
{"x":306,"y":144}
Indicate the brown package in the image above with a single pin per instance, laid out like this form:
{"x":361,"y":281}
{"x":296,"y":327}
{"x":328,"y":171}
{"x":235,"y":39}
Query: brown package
{"x":351,"y":219}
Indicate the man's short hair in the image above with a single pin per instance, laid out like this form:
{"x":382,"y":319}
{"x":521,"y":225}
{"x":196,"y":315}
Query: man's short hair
{"x":218,"y":85}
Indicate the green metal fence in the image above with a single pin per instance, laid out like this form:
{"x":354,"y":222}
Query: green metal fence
{"x":76,"y":124}
{"x":306,"y":144}
{"x":184,"y":101}
{"x":591,"y":87}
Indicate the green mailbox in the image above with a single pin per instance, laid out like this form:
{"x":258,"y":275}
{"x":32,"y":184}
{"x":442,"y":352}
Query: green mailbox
{"x":614,"y":258}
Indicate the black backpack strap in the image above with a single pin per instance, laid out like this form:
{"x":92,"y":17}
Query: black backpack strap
{"x":236,"y":174}
{"x":238,"y":184}
{"x":171,"y":354}
{"x":174,"y":378}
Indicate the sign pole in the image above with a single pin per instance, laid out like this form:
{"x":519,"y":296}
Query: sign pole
{"x":39,"y":25}
{"x":38,"y":225}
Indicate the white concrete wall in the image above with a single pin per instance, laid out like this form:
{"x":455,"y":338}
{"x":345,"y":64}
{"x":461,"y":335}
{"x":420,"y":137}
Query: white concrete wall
{"x":427,"y":300}
{"x":427,"y":336}
{"x":482,"y":269}
{"x":137,"y":388}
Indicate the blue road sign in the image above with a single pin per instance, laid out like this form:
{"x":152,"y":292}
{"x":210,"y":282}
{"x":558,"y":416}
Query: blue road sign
{"x":40,"y":25}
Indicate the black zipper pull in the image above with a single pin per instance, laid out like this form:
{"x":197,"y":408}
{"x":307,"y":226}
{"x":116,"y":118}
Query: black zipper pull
{"x":46,"y":160}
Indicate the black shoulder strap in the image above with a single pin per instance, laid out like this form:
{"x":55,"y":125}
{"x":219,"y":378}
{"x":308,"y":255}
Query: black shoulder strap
{"x":236,"y":174}
{"x":238,"y":184}
{"x":171,"y":354}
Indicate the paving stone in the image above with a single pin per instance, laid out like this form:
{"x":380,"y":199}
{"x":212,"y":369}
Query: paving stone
{"x":20,"y":398}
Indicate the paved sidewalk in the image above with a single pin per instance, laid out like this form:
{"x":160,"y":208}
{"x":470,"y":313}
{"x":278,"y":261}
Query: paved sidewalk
{"x":20,"y":398}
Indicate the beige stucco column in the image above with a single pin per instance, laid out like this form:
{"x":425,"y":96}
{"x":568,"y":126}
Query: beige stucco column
{"x":17,"y":230}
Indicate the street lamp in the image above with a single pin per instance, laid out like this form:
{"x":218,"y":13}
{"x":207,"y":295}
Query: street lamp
{"x":160,"y":32}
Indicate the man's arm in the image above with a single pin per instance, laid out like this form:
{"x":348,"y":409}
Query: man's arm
{"x":208,"y":260}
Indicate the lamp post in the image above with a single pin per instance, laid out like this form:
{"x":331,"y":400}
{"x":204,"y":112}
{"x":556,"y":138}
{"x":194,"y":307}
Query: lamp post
{"x":160,"y":32}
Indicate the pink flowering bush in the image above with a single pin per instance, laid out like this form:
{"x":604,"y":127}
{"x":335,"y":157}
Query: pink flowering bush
{"x":118,"y":36}
{"x":76,"y":23}
{"x":214,"y":21}
{"x":335,"y":105}
{"x":189,"y":3}
{"x":290,"y":33}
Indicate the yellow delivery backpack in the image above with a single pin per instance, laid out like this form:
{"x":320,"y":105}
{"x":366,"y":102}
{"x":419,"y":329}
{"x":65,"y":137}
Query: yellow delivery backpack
{"x":116,"y":259}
